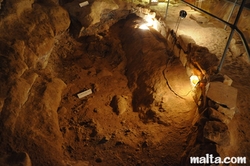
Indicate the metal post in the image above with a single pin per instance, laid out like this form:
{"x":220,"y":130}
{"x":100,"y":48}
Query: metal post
{"x":177,"y":24}
{"x":231,"y":35}
{"x":244,"y":42}
{"x":225,"y":50}
{"x":166,"y":10}
{"x":231,"y":12}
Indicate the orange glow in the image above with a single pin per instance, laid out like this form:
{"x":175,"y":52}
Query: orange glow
{"x":194,"y":80}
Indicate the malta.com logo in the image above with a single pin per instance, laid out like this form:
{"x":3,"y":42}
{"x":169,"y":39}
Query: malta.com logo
{"x":210,"y":159}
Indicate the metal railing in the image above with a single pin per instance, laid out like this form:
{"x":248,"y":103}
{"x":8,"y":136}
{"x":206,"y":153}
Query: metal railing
{"x":233,"y":29}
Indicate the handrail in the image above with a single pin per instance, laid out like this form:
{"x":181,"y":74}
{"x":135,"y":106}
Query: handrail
{"x":233,"y":28}
{"x":237,"y":4}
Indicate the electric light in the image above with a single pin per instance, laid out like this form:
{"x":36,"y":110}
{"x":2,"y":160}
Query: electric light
{"x":149,"y":23}
{"x":194,"y":80}
{"x":144,"y":27}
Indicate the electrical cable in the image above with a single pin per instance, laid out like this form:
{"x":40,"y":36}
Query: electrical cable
{"x":167,"y":82}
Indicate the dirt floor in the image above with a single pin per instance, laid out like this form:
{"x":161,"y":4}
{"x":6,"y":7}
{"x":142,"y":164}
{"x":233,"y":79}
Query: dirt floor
{"x":142,"y":104}
{"x":92,"y":131}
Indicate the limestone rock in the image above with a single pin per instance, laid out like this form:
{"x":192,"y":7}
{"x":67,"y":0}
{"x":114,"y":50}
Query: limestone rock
{"x":52,"y":94}
{"x":183,"y":57}
{"x":96,"y":17}
{"x":217,"y":132}
{"x":21,"y":158}
{"x":214,"y":114}
{"x":227,"y":112}
{"x":235,"y":50}
{"x":177,"y":51}
{"x":119,"y":104}
{"x":227,"y":80}
{"x":199,"y":18}
{"x":28,"y":101}
{"x":201,"y":57}
{"x":79,"y":15}
{"x":185,"y":42}
{"x":108,"y":18}
{"x":19,"y":127}
{"x":222,"y":94}
{"x":20,"y":6}
{"x":59,"y":19}
{"x":99,"y":8}
{"x":18,"y":95}
{"x":171,"y":38}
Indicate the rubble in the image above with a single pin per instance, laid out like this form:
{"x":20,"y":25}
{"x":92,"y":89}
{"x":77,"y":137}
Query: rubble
{"x":217,"y":132}
{"x":119,"y":104}
{"x":227,"y":112}
{"x":227,"y":80}
{"x":199,"y":18}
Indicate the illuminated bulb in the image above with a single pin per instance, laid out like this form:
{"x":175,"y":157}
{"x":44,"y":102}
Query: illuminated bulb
{"x":149,"y":20}
{"x":194,"y":80}
{"x":143,"y":26}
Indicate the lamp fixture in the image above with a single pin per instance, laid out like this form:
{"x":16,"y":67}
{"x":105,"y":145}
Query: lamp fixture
{"x":182,"y":15}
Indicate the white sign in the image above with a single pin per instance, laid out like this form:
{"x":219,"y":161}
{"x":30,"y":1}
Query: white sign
{"x":84,"y":94}
{"x":83,"y":3}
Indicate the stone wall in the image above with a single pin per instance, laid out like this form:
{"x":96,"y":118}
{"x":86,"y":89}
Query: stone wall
{"x":215,"y":97}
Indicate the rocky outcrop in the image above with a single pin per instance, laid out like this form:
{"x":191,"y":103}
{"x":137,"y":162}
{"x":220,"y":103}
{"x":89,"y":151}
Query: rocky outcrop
{"x":28,"y":34}
{"x":120,"y":104}
{"x":96,"y":16}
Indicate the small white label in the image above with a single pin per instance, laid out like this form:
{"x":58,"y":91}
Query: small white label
{"x":83,"y":3}
{"x":84,"y":94}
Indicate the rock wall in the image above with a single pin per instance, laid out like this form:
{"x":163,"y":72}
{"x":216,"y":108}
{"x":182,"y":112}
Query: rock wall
{"x":28,"y":34}
{"x":96,"y":17}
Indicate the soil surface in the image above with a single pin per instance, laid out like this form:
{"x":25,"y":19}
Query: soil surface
{"x":141,"y":108}
{"x":91,"y":128}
